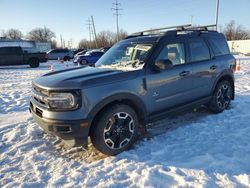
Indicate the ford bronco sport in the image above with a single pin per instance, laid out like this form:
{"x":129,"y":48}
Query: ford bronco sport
{"x":139,"y":80}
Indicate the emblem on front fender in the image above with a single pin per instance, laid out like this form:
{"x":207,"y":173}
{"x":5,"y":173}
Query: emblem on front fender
{"x":155,"y":94}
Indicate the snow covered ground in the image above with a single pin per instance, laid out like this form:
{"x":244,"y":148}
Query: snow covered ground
{"x":193,"y":149}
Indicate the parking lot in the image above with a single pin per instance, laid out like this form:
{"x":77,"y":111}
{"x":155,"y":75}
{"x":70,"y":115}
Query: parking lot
{"x":192,"y":149}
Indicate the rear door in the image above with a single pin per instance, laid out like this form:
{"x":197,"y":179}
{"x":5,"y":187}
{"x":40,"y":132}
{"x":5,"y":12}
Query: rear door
{"x":170,"y":88}
{"x":205,"y":67}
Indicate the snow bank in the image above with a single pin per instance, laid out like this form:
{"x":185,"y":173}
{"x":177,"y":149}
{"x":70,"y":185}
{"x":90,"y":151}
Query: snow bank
{"x":193,"y":149}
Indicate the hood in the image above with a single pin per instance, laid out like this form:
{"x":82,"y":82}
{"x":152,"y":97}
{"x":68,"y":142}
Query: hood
{"x":82,"y":77}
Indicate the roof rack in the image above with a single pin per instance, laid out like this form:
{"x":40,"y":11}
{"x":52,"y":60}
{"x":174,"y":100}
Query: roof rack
{"x":178,"y":28}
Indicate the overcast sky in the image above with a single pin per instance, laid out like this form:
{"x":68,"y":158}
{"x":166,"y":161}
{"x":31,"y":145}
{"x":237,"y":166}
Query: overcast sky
{"x":69,"y":17}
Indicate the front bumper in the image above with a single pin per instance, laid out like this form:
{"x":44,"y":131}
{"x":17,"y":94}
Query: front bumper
{"x":73,"y":132}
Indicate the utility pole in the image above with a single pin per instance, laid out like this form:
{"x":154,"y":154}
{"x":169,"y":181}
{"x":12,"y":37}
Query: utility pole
{"x":89,"y":28}
{"x":192,"y":17}
{"x":116,"y":8}
{"x":93,"y":25}
{"x":61,"y":40}
{"x":217,"y":14}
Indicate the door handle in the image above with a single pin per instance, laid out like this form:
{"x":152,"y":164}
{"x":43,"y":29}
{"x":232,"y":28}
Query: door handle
{"x":184,"y":73}
{"x":213,"y":67}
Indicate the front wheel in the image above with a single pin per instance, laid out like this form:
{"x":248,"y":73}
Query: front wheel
{"x":222,"y":97}
{"x":116,"y":130}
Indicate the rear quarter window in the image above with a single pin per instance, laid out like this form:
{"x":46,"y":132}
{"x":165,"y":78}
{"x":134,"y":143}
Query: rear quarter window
{"x":219,"y":46}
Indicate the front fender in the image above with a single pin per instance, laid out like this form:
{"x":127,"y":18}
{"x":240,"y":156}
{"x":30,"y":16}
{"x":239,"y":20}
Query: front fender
{"x":131,"y":99}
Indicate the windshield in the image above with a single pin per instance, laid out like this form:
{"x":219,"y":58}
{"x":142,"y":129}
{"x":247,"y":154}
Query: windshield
{"x":125,"y":56}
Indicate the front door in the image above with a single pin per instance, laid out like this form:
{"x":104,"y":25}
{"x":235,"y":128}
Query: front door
{"x":173,"y":87}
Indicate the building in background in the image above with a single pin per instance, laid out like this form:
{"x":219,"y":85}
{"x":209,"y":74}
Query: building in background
{"x":239,"y":46}
{"x":28,"y":45}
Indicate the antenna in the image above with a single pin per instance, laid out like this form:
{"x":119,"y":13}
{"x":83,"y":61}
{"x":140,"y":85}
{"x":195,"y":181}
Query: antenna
{"x":116,"y":8}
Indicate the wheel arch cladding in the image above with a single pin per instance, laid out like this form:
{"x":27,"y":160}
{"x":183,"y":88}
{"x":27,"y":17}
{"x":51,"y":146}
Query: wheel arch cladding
{"x":228,"y":78}
{"x":128,"y":99}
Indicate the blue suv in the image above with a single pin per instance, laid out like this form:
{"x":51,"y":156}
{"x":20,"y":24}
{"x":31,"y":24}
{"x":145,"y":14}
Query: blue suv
{"x":139,"y":80}
{"x":89,"y":58}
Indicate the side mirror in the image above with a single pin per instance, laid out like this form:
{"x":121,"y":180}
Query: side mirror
{"x":163,"y":64}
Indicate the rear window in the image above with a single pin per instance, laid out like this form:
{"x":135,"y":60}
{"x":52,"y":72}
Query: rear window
{"x":198,"y":50}
{"x":219,"y":46}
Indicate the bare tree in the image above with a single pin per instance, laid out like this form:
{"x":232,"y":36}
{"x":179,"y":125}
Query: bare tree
{"x":12,"y":34}
{"x":232,"y":31}
{"x":122,"y":34}
{"x":41,"y":35}
{"x":84,"y":43}
{"x":104,"y":39}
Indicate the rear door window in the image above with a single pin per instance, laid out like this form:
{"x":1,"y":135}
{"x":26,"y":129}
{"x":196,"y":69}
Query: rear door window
{"x":15,"y":51}
{"x":199,"y":50}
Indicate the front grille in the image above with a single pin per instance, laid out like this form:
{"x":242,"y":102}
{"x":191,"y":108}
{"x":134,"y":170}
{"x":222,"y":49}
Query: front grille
{"x":36,"y":110}
{"x":40,"y":95}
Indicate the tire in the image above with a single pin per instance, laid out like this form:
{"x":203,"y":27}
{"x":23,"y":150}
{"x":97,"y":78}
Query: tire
{"x":34,"y":63}
{"x":66,"y":58}
{"x":84,"y":62}
{"x":222,"y":97}
{"x":116,"y":130}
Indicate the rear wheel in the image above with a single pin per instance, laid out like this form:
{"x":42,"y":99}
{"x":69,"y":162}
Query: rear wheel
{"x":222,"y":97}
{"x":34,"y":63}
{"x":116,"y":130}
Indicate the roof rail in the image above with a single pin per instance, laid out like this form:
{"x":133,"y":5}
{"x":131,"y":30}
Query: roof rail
{"x":177,"y":27}
{"x":200,"y":28}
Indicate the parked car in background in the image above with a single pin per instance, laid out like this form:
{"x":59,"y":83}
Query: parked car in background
{"x":62,"y":54}
{"x":80,"y":53}
{"x":76,"y":51}
{"x":18,"y":56}
{"x":89,"y":58}
{"x":105,"y":49}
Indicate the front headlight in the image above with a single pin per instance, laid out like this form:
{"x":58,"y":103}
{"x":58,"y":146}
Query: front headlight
{"x":62,"y":101}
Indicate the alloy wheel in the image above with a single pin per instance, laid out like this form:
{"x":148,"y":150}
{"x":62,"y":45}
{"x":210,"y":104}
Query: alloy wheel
{"x":119,"y":130}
